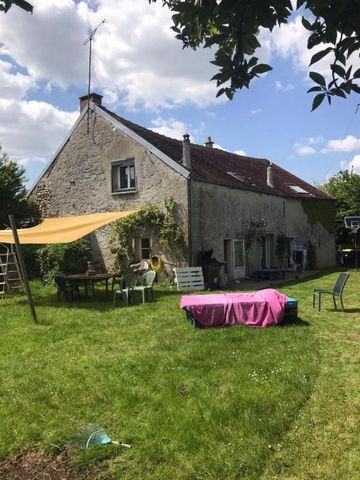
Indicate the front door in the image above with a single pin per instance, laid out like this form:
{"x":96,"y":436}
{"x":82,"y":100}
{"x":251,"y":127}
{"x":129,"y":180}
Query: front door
{"x":235,"y":258}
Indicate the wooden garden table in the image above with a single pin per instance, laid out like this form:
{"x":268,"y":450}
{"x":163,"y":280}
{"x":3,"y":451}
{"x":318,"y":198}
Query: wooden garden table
{"x":90,"y":279}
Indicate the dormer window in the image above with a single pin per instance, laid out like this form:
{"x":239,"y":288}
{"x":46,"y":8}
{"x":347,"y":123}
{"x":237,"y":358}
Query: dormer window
{"x":123,"y":175}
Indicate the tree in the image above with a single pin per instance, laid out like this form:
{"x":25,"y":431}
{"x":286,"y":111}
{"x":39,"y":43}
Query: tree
{"x":13,"y":193}
{"x":5,"y":5}
{"x":345,"y":187}
{"x":232,"y":27}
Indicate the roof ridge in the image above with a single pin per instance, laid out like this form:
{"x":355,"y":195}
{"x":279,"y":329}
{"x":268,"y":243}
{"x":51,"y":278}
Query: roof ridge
{"x":217,"y":166}
{"x":193,"y":144}
{"x":126,"y":121}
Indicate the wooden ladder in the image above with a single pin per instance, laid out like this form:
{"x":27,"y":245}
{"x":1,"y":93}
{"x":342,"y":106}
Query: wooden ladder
{"x":10,"y":277}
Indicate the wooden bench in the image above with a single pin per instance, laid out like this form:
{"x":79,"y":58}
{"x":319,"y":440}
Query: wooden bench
{"x":189,"y":279}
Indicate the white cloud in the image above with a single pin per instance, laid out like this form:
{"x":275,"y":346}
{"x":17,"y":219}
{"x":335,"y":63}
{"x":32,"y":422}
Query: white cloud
{"x":347,"y":144}
{"x":353,"y":164}
{"x":173,"y":128}
{"x":240,"y":152}
{"x":13,"y":85}
{"x":170,"y":127}
{"x":30,"y":130}
{"x":285,"y":88}
{"x":290,"y":42}
{"x":136,"y":58}
{"x":49,"y":42}
{"x":316,"y":140}
{"x":255,"y":111}
{"x":303,"y":150}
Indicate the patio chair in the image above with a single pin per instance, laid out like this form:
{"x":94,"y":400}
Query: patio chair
{"x":337,"y":291}
{"x":65,"y":288}
{"x":146,"y":285}
{"x":117,"y":280}
{"x":126,"y":289}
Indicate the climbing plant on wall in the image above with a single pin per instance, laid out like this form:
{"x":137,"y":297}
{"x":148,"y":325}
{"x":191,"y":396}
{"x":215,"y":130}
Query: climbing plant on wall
{"x":165,"y":224}
{"x":254,"y":231}
{"x":321,"y":211}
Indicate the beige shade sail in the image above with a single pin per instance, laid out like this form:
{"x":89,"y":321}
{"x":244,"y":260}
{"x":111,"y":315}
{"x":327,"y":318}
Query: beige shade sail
{"x":63,"y":229}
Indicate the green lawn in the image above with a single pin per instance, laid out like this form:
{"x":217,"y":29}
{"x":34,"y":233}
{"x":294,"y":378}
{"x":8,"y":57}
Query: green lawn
{"x":235,"y":403}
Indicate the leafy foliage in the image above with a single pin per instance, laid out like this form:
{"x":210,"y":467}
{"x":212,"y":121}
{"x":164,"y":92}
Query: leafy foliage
{"x":63,"y":257}
{"x":311,"y":256}
{"x":321,"y":211}
{"x":345,"y":187}
{"x":5,"y":5}
{"x":164,"y":224}
{"x":13,"y":198}
{"x":233,"y":28}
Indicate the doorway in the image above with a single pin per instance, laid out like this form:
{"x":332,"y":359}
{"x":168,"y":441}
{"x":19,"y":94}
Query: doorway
{"x":267,"y":250}
{"x":234,"y":253}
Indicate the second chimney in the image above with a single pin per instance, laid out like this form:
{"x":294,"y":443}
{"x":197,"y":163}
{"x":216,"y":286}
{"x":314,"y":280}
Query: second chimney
{"x":93,"y":98}
{"x":186,"y":154}
{"x":209,"y":143}
{"x":269,"y":175}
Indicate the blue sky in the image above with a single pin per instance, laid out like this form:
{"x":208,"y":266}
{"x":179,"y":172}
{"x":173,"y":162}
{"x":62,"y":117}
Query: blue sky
{"x":146,"y":77}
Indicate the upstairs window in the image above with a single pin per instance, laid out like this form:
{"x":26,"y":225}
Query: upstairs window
{"x":123,"y":175}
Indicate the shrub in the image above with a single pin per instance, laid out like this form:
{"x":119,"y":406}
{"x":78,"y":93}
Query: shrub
{"x":311,"y":256}
{"x":65,"y":257}
{"x":31,"y":259}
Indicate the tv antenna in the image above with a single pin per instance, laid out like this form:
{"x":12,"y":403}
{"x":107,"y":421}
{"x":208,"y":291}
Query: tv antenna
{"x":89,"y":41}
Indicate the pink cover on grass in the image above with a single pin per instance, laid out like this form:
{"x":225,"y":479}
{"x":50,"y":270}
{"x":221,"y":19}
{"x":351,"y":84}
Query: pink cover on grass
{"x":258,"y":309}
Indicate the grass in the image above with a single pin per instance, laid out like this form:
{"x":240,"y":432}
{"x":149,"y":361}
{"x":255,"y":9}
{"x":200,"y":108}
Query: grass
{"x":276,"y":403}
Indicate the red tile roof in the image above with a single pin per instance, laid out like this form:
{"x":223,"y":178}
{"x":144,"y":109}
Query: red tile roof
{"x":220,"y":167}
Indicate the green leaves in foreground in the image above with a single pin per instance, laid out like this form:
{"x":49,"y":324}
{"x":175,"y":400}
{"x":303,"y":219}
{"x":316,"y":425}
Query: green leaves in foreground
{"x":231,"y":28}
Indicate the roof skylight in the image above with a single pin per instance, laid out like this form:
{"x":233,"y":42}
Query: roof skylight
{"x":239,"y":177}
{"x":297,"y":189}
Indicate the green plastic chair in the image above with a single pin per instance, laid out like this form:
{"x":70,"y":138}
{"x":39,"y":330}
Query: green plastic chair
{"x":146,"y":285}
{"x":126,"y":289}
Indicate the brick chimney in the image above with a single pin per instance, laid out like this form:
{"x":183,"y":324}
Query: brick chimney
{"x":209,"y":143}
{"x":269,"y":175}
{"x":186,"y":156}
{"x":93,"y":97}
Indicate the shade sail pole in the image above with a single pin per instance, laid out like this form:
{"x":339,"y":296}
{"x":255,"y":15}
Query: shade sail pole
{"x":23,"y":268}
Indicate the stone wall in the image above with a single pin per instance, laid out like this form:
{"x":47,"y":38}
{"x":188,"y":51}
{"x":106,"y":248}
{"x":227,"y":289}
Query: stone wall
{"x":220,"y":213}
{"x":79,"y":181}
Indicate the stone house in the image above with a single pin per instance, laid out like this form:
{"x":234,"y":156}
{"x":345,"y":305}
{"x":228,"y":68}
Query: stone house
{"x":250,"y":212}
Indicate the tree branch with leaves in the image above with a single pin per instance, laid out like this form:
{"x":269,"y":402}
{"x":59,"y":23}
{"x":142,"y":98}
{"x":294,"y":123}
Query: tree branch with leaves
{"x":5,"y":5}
{"x":232,"y":27}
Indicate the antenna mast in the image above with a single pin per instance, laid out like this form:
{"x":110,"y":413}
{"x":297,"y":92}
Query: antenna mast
{"x":89,"y":40}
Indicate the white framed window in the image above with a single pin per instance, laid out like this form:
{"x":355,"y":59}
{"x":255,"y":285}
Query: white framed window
{"x":145,"y":248}
{"x":123,"y":175}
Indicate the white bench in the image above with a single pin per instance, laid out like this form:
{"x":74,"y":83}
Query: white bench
{"x":189,"y":278}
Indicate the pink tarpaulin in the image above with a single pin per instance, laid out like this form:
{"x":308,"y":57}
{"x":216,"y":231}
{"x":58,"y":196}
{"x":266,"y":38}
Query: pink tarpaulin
{"x":259,"y":309}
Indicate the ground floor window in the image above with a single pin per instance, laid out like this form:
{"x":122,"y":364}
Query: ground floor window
{"x":145,"y":245}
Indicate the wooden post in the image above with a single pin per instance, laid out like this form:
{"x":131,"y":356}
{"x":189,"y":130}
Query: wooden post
{"x":23,"y":268}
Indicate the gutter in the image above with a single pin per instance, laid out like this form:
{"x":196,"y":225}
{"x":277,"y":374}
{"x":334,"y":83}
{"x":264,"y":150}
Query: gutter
{"x":189,"y":195}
